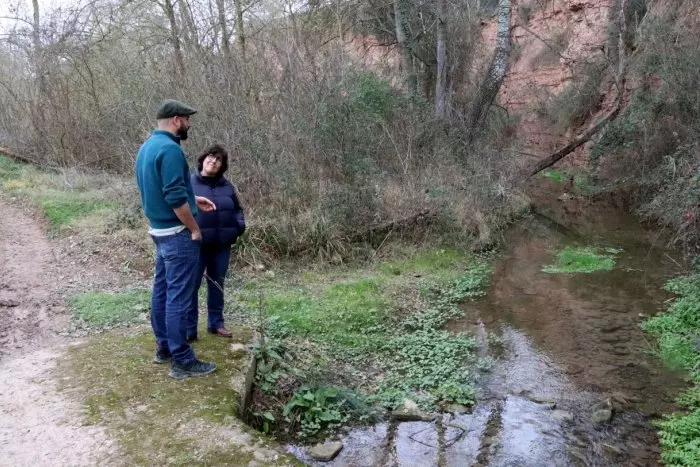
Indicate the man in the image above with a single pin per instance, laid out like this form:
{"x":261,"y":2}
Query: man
{"x":169,"y":203}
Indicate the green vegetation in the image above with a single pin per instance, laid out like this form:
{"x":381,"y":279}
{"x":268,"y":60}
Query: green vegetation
{"x":582,"y":183}
{"x":109,"y":309}
{"x":554,"y":175}
{"x":156,"y":419}
{"x":361,"y":336}
{"x":63,"y":199}
{"x":652,"y":148}
{"x":583,"y":260}
{"x":678,"y":337}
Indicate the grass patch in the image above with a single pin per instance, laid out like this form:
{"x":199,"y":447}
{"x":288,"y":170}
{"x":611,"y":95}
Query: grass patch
{"x":677,"y":333}
{"x":110,"y":309}
{"x":156,"y":419}
{"x":583,"y":260}
{"x":63,"y":199}
{"x":338,"y":313}
{"x":340,"y":342}
{"x":61,"y":210}
{"x":582,"y":181}
{"x":554,"y":175}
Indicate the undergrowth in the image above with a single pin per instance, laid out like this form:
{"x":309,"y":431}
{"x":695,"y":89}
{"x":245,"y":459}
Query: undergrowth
{"x":677,"y":333}
{"x":339,"y":346}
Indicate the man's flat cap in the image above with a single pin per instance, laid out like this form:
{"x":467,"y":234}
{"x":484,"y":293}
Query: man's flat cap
{"x":171,"y":108}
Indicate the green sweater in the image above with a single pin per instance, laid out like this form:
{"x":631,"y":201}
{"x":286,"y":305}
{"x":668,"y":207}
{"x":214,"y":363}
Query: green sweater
{"x":163,"y":177}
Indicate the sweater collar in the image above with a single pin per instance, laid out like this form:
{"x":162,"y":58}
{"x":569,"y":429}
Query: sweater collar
{"x":168,"y":134}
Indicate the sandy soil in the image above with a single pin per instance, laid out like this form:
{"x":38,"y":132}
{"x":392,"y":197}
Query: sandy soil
{"x":39,"y":425}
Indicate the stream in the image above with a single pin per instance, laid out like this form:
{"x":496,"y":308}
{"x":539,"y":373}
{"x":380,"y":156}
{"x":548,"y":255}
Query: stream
{"x":574,"y":382}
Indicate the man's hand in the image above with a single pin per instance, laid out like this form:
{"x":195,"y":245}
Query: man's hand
{"x":197,"y":236}
{"x":204,"y":204}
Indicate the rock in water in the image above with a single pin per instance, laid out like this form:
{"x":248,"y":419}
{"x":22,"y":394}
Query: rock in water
{"x":562,"y":415}
{"x":409,"y":411}
{"x":325,"y":452}
{"x":457,"y":408}
{"x":602,"y":415}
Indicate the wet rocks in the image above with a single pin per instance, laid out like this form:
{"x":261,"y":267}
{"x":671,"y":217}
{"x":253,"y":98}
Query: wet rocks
{"x":602,"y":416}
{"x":562,"y":415}
{"x":549,"y":403}
{"x":238,"y":350}
{"x":611,"y":450}
{"x":603,"y":412}
{"x":611,"y":328}
{"x":457,"y":408}
{"x":325,"y":452}
{"x":409,"y":411}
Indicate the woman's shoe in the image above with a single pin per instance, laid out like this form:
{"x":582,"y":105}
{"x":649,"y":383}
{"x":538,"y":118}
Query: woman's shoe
{"x":220,"y":332}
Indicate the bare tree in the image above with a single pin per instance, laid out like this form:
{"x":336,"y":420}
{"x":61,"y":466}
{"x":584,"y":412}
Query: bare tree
{"x":441,"y":79}
{"x":225,"y":36}
{"x":240,"y":30}
{"x":496,"y":72}
{"x":169,"y":10}
{"x":403,"y":37}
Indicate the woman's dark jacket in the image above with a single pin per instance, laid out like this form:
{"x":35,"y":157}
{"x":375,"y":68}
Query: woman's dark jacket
{"x":223,"y":226}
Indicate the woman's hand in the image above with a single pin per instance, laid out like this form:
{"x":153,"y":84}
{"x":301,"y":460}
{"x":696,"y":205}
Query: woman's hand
{"x":204,"y":204}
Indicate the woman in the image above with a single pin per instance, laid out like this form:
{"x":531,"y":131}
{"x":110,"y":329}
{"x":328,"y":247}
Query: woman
{"x":220,"y":229}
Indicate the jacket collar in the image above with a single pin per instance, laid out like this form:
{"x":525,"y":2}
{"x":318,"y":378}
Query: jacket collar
{"x":218,"y":180}
{"x":168,"y":134}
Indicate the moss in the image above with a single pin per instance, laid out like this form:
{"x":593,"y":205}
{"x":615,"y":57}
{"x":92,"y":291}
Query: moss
{"x":158,"y":420}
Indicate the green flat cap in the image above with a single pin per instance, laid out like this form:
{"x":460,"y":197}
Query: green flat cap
{"x":171,"y":108}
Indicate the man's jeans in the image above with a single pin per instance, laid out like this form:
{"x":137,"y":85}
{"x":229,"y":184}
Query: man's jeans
{"x":215,"y":261}
{"x":177,"y":257}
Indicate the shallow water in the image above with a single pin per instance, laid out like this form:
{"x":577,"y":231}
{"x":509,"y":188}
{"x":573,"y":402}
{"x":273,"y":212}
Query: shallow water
{"x":571,"y":345}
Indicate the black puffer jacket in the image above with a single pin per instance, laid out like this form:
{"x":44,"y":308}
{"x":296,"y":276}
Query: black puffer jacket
{"x":223,"y":226}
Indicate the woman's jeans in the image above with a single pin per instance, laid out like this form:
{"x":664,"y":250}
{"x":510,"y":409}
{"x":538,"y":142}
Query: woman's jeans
{"x":177,"y":257}
{"x":214,"y":260}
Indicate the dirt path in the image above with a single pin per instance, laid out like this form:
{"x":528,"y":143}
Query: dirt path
{"x":38,"y":424}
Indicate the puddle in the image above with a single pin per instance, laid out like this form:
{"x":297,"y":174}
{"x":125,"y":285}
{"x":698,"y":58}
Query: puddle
{"x":572,"y":348}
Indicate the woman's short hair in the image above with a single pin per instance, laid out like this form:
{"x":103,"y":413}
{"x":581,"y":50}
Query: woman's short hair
{"x":216,"y":151}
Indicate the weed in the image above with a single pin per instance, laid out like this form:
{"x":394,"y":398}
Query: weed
{"x":583,"y":260}
{"x":316,"y":408}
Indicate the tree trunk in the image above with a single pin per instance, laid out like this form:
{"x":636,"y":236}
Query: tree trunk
{"x":497,"y":71}
{"x":37,"y":50}
{"x":402,"y":37}
{"x":441,"y":79}
{"x":225,"y":35}
{"x":189,"y":29}
{"x":240,"y":32}
{"x":169,"y":11}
